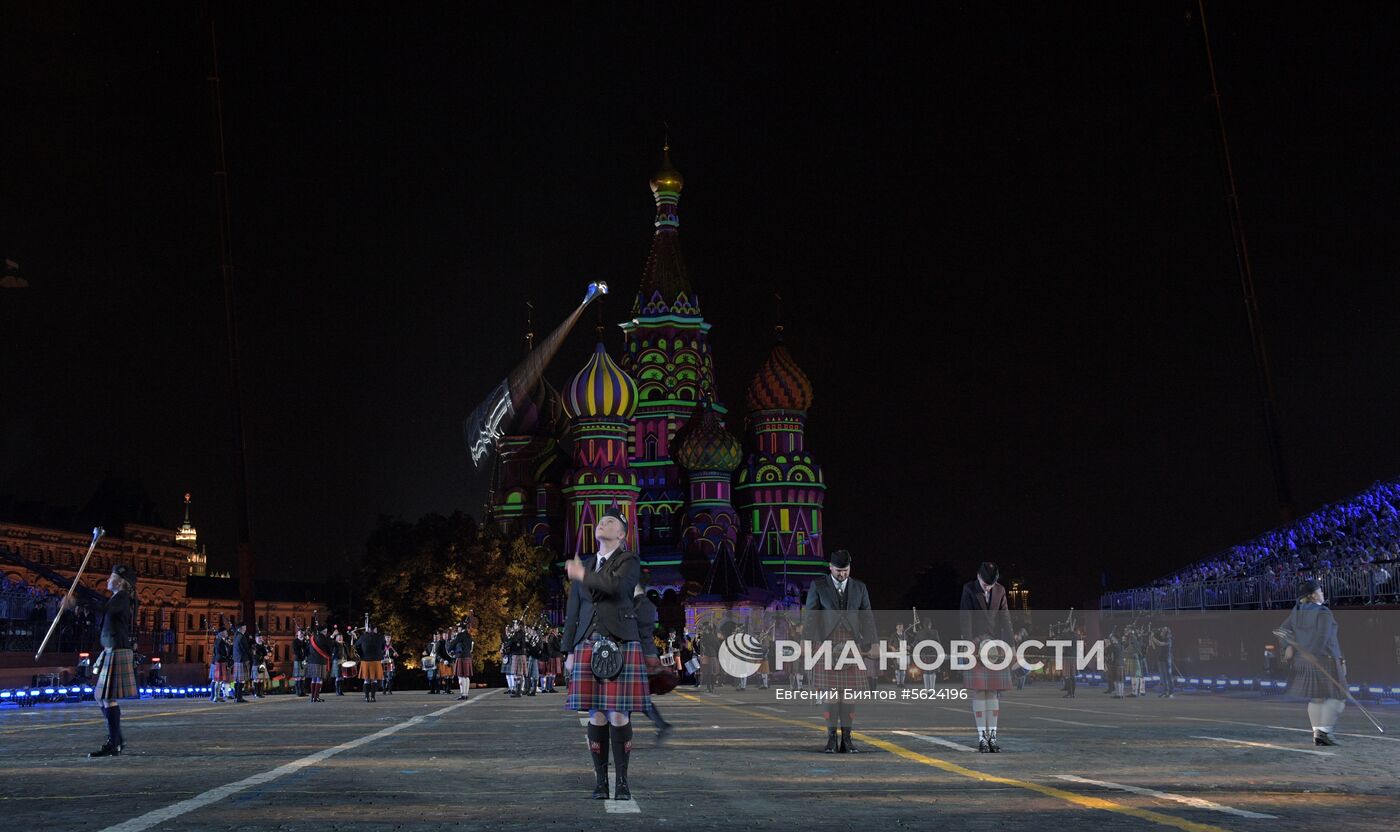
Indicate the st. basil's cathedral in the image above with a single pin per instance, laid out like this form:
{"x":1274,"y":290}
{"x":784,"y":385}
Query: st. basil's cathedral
{"x":713,"y":519}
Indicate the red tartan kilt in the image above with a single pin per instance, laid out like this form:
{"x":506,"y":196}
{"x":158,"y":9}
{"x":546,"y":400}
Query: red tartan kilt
{"x":854,"y":678}
{"x":552,"y":667}
{"x":518,"y":664}
{"x":979,"y":677}
{"x":219,"y":672}
{"x":463,"y":667}
{"x":629,"y":692}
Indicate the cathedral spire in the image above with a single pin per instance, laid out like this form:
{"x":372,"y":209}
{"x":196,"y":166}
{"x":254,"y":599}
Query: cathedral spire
{"x":665,"y":287}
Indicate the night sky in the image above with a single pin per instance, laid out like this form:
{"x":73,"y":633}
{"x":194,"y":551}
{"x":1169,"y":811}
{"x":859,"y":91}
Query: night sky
{"x":999,"y":235}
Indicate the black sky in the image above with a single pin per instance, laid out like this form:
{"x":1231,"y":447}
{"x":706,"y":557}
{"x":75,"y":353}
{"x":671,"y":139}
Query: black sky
{"x":1000,"y":235}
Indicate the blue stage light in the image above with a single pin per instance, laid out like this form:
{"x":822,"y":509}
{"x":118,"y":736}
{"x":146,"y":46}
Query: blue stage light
{"x":48,"y":691}
{"x":87,"y":690}
{"x":4,"y":694}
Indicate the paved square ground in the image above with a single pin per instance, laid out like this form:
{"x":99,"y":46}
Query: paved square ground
{"x":738,"y":760}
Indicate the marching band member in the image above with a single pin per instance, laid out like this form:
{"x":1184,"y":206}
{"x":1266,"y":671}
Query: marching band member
{"x":117,"y":679}
{"x":220,"y":661}
{"x":461,"y":647}
{"x":370,"y":645}
{"x":1313,"y":629}
{"x":985,"y":615}
{"x":838,"y":610}
{"x":600,"y":609}
{"x":321,"y":660}
{"x":242,"y":661}
{"x":299,"y":652}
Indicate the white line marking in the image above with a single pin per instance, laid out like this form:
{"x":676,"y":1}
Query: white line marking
{"x":1287,"y":728}
{"x":1072,"y":722}
{"x":174,"y":810}
{"x":1197,"y":802}
{"x":934,"y":740}
{"x":1265,"y":745}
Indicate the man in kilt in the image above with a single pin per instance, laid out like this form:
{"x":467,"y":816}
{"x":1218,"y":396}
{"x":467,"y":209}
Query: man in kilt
{"x":320,"y":659}
{"x":984,"y":615}
{"x":1319,"y":671}
{"x":117,"y":678}
{"x":838,"y":611}
{"x":461,"y":647}
{"x":299,"y":651}
{"x":220,"y":662}
{"x":515,"y":664}
{"x":370,"y":646}
{"x":601,"y":607}
{"x":242,"y":661}
{"x":553,"y":664}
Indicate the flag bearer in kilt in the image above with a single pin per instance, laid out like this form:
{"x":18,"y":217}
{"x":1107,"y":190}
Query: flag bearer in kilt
{"x":601,"y":607}
{"x":984,"y":615}
{"x":1320,"y":672}
{"x":320,"y":660}
{"x":370,"y":645}
{"x":299,"y":651}
{"x":117,"y":679}
{"x":838,"y":611}
{"x":461,"y":648}
{"x":242,"y":661}
{"x":220,"y":661}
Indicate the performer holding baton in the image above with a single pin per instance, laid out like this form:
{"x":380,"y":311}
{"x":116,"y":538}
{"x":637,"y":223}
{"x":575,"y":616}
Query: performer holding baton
{"x":117,"y":678}
{"x":1312,"y":627}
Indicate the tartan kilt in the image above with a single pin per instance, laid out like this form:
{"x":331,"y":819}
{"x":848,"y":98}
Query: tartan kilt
{"x":463,"y":667}
{"x":242,"y":672}
{"x":981,"y":677}
{"x":849,"y":675}
{"x":1310,"y":683}
{"x":298,"y":670}
{"x":517,"y":665}
{"x":219,"y":671}
{"x":372,"y":671}
{"x":118,"y":677}
{"x":1136,"y":666}
{"x":552,"y":667}
{"x":629,"y":692}
{"x":315,"y":670}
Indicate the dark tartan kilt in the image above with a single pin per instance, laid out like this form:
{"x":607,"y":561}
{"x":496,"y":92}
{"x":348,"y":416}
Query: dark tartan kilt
{"x":315,"y":670}
{"x":298,"y":670}
{"x":630,"y":691}
{"x":118,"y":677}
{"x":1136,"y":666}
{"x":552,"y":667}
{"x":517,"y":665}
{"x":463,"y":667}
{"x":1310,"y":683}
{"x":242,"y":672}
{"x":219,"y":671}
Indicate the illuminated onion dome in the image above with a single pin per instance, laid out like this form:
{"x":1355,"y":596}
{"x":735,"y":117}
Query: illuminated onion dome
{"x":601,"y":390}
{"x":779,"y":384}
{"x":667,"y":178}
{"x":707,"y":446}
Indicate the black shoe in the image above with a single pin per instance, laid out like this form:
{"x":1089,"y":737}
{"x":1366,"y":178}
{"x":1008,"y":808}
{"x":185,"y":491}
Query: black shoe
{"x":531,"y":693}
{"x":240,"y":700}
{"x":982,"y":744}
{"x":108,"y":749}
{"x":1323,"y":738}
{"x":623,"y":792}
{"x":600,"y":789}
{"x":848,"y":747}
{"x":830,"y":743}
{"x":992,"y":745}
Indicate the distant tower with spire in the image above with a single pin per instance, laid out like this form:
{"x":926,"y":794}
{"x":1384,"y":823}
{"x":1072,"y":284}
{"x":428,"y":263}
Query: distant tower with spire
{"x":666,"y":349}
{"x":186,"y":535}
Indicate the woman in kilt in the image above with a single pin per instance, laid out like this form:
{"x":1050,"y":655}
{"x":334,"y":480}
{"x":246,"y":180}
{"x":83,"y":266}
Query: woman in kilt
{"x":608,"y":581}
{"x":1319,"y":674}
{"x":985,"y":616}
{"x":117,"y":679}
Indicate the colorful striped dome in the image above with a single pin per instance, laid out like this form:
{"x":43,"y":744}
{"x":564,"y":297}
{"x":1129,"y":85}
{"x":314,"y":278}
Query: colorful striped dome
{"x":601,"y":390}
{"x":779,"y":384}
{"x":707,"y":446}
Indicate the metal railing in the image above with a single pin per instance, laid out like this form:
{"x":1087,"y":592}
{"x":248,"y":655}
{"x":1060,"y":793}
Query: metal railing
{"x":1375,"y":583}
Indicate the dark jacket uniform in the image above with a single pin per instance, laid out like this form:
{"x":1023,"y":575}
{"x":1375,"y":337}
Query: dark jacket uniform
{"x":242,"y":648}
{"x":299,"y":650}
{"x":981,"y":618}
{"x":462,"y":646}
{"x":1314,"y":627}
{"x":608,"y":592}
{"x":371,"y":646}
{"x":223,"y":651}
{"x":116,"y":624}
{"x":825,"y":610}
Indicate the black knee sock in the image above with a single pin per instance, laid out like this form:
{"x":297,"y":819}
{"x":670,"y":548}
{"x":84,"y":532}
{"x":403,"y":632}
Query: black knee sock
{"x":598,"y":747}
{"x":622,"y":749}
{"x":114,"y":723}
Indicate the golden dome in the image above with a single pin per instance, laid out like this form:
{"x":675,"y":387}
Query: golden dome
{"x":667,"y":178}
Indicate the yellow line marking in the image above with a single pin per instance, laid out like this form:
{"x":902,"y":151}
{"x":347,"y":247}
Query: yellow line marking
{"x":1083,"y":801}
